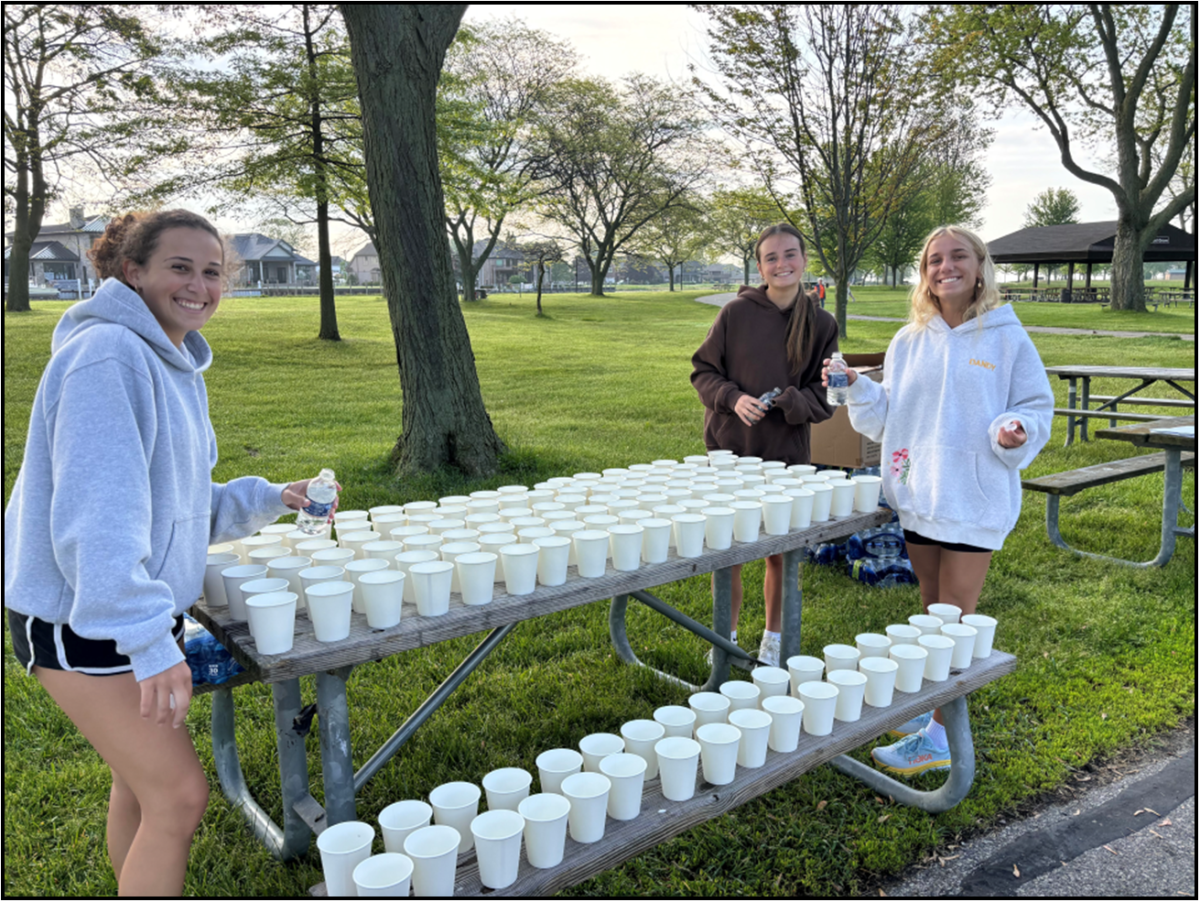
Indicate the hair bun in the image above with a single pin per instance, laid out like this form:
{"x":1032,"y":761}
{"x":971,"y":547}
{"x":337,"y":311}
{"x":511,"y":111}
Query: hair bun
{"x":106,"y":252}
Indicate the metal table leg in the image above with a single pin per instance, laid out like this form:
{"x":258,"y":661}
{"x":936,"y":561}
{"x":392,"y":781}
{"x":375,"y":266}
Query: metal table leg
{"x":293,"y":839}
{"x":1071,"y":405}
{"x":793,"y":602}
{"x":1083,"y":424}
{"x":337,"y":768}
{"x":962,"y":767}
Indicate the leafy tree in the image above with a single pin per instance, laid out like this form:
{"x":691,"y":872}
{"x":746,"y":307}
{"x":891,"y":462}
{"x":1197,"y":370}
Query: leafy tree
{"x":1054,"y":206}
{"x":540,"y":252}
{"x":81,"y":85}
{"x":612,"y":160}
{"x":737,"y":216}
{"x":398,"y":51}
{"x":828,"y":99}
{"x":1121,"y":76}
{"x":673,"y":237}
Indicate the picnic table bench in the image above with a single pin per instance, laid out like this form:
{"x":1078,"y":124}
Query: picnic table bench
{"x":1078,"y":410}
{"x":1173,"y":458}
{"x":331,"y":663}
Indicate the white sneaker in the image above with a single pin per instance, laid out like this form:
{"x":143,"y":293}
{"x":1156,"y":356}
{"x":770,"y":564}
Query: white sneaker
{"x":768,"y":651}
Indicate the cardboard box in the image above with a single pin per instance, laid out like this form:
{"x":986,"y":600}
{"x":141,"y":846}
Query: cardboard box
{"x":834,"y":443}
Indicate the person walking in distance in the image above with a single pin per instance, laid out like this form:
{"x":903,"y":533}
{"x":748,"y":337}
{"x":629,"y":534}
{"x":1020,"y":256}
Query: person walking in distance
{"x":107,"y":530}
{"x":770,"y":336}
{"x":963,"y":407}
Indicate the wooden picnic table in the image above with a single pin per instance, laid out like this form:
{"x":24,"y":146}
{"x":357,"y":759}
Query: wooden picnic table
{"x":1173,"y":436}
{"x":332,"y":663}
{"x":1078,"y":413}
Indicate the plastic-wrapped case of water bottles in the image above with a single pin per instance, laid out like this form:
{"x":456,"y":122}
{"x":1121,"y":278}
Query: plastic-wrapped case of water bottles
{"x":209,"y":660}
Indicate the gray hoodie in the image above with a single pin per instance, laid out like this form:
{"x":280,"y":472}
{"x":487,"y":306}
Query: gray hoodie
{"x":945,"y":395}
{"x":113,"y":510}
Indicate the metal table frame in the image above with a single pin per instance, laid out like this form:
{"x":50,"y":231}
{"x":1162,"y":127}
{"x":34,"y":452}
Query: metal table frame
{"x":1147,"y":375}
{"x":303,"y":815}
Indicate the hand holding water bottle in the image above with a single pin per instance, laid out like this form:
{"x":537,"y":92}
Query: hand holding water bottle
{"x":315,"y":499}
{"x":837,"y":379}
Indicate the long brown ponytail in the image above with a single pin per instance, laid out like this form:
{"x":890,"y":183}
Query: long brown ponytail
{"x":801,"y":330}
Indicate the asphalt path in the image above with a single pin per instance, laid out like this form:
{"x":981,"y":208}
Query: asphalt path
{"x":720,"y":300}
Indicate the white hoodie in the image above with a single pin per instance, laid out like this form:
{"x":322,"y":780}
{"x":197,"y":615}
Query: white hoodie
{"x":945,"y":395}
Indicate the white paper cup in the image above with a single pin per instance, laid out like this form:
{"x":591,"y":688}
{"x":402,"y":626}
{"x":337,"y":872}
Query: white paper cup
{"x":688,"y":531}
{"x":272,"y":619}
{"x":383,"y":597}
{"x":799,"y":470}
{"x":343,"y":847}
{"x":941,"y":650}
{"x":214,"y":583}
{"x":263,"y":543}
{"x":656,"y":539}
{"x":964,"y":643}
{"x":812,"y":479}
{"x":289,"y":568}
{"x":545,"y":828}
{"x":910,"y":659}
{"x":820,"y":703}
{"x":947,"y":613}
{"x":927,"y":624}
{"x":403,"y":561}
{"x":851,"y":687}
{"x":627,"y":774}
{"x":718,"y":527}
{"x":777,"y":514}
{"x":718,"y":751}
{"x":431,"y":585}
{"x":401,"y":533}
{"x":804,"y":669}
{"x":265,"y":554}
{"x":519,"y":565}
{"x":497,"y":836}
{"x":456,"y":804}
{"x":872,"y":645}
{"x":985,"y":628}
{"x":295,"y":537}
{"x":434,"y":854}
{"x":452,"y":550}
{"x":902,"y":634}
{"x":840,"y":657}
{"x":881,"y":680}
{"x":507,"y":787}
{"x":588,"y":794}
{"x":261,"y":586}
{"x":356,"y":540}
{"x":625,"y":546}
{"x":740,"y":694}
{"x":802,"y":507}
{"x":709,"y":707}
{"x":384,"y":550}
{"x":556,"y":765}
{"x":329,"y":607}
{"x":387,"y":875}
{"x":842,"y":504}
{"x":770,"y":681}
{"x":822,"y":500}
{"x":786,"y":713}
{"x":831,"y":475}
{"x":676,"y":720}
{"x":866,"y":493}
{"x":554,"y":552}
{"x":591,"y":552}
{"x":428,"y":542}
{"x":233,"y":577}
{"x":399,"y":819}
{"x":310,"y":576}
{"x":640,"y":737}
{"x":348,"y":517}
{"x":419,"y":507}
{"x":678,"y":759}
{"x":354,"y":572}
{"x":334,"y":557}
{"x":595,"y":747}
{"x":755,"y":726}
{"x":747,"y":516}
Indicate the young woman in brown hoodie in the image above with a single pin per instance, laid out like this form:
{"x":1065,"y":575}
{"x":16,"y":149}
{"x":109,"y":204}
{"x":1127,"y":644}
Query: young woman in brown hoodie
{"x":772,"y":336}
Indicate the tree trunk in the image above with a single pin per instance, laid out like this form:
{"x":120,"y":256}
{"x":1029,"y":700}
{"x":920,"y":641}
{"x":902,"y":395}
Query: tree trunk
{"x":329,"y":329}
{"x":29,"y":207}
{"x":397,"y":52}
{"x":746,"y":270}
{"x":541,"y":275}
{"x":1128,"y":286}
{"x":671,"y":274}
{"x":329,"y":326}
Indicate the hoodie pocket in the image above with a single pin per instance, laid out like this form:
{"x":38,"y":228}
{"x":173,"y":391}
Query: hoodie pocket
{"x":953,"y":485}
{"x":182,"y":567}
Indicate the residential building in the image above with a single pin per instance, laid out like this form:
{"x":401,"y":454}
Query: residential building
{"x":364,"y":265}
{"x":59,"y":251}
{"x":270,"y":261}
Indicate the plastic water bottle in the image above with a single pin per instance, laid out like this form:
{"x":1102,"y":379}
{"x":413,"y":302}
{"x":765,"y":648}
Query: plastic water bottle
{"x":768,"y":398}
{"x":839,"y":381}
{"x":322,"y":492}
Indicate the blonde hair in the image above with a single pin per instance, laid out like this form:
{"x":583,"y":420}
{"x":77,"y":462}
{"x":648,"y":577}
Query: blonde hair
{"x":923,"y":303}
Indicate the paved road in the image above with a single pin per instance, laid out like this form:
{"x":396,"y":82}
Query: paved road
{"x":1135,"y":837}
{"x":720,"y":300}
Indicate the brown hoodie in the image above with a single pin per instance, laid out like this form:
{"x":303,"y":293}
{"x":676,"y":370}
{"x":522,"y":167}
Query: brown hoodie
{"x":745,"y":353}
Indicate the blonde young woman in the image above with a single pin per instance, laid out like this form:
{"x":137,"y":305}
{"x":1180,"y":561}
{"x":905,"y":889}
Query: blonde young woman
{"x":108,"y":526}
{"x":964,"y":405}
{"x":770,"y":336}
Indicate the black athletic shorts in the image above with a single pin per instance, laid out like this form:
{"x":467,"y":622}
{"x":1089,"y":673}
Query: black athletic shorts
{"x":913,"y":538}
{"x":56,"y":646}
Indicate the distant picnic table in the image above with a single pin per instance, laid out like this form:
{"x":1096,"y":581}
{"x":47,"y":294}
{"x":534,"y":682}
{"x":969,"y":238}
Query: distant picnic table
{"x":1079,"y":410}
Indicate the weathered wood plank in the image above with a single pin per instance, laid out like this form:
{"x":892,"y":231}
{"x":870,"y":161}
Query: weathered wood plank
{"x":1143,"y":433}
{"x":1179,"y":374}
{"x":1081,"y":414}
{"x":414,"y":631}
{"x":661,"y":819}
{"x":1071,"y":481}
{"x":1149,"y":402}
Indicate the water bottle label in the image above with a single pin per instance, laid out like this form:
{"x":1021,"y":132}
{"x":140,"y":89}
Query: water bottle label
{"x":317,"y":509}
{"x":838,"y":380}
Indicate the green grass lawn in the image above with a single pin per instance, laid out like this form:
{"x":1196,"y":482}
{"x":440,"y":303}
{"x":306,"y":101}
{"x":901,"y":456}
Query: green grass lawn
{"x":1106,"y":654}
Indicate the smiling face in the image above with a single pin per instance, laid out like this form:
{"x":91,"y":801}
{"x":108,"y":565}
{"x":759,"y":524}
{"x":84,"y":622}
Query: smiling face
{"x":951,"y":269}
{"x":181,"y":281}
{"x":781,"y":263}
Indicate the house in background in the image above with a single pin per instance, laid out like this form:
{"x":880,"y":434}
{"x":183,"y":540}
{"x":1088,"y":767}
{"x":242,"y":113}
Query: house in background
{"x":270,"y":261}
{"x":59,"y":252}
{"x":364,"y":265}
